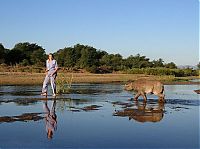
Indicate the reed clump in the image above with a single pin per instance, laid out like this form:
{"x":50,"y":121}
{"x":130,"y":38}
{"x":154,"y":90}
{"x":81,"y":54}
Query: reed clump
{"x":64,"y":83}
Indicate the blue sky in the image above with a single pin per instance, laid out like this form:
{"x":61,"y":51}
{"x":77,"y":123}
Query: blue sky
{"x":167,"y":29}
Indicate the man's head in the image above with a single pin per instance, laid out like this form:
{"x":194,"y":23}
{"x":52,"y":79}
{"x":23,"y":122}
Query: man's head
{"x":50,"y":56}
{"x":50,"y":134}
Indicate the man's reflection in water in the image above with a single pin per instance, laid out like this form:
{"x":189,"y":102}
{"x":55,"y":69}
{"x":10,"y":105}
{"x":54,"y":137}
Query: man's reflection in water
{"x":50,"y":118}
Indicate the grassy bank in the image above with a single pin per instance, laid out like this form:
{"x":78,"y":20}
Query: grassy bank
{"x":24,"y":78}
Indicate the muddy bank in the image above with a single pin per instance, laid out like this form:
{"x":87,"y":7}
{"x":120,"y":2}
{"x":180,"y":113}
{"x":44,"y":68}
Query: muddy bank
{"x":86,"y":108}
{"x":23,"y":118}
{"x":182,"y":83}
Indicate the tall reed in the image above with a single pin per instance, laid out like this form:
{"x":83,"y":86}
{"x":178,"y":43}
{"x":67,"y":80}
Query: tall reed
{"x":64,"y":83}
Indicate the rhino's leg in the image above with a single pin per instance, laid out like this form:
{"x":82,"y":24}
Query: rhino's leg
{"x":137,"y":95}
{"x":140,"y":107}
{"x":144,"y":96}
{"x":161,"y":97}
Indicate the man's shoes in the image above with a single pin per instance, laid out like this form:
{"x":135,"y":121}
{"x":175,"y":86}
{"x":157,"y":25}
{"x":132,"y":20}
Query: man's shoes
{"x":44,"y":94}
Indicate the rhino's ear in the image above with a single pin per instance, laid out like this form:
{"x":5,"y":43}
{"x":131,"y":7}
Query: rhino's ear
{"x":129,"y":81}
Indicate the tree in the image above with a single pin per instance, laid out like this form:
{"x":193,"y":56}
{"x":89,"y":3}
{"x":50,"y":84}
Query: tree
{"x":198,"y":65}
{"x":88,"y":57}
{"x":59,"y":56}
{"x":38,"y":57}
{"x":171,"y":65}
{"x":66,"y":57}
{"x":112,"y":60}
{"x":158,"y":63}
{"x":116,"y":61}
{"x":14,"y":57}
{"x":2,"y":54}
{"x":33,"y":53}
{"x":78,"y":56}
{"x":137,"y":61}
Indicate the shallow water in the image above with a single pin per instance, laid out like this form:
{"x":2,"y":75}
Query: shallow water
{"x":99,"y":116}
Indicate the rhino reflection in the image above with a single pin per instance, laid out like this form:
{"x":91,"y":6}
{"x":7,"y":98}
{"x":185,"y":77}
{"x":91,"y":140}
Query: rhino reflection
{"x":50,"y":118}
{"x":142,"y":113}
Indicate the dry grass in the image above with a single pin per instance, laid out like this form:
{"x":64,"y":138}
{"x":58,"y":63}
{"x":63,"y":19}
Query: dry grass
{"x":24,"y":78}
{"x":21,"y":78}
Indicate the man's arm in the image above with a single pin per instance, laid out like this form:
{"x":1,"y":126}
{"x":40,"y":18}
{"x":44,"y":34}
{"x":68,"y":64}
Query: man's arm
{"x":56,"y":68}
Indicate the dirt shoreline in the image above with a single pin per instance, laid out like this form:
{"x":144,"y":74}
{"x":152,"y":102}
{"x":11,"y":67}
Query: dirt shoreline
{"x":19,"y":78}
{"x":182,"y":83}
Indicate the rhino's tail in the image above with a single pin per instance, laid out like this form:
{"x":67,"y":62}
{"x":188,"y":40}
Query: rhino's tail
{"x":163,"y":91}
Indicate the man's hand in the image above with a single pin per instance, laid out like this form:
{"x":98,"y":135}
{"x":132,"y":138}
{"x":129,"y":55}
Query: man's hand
{"x":53,"y":72}
{"x":46,"y":71}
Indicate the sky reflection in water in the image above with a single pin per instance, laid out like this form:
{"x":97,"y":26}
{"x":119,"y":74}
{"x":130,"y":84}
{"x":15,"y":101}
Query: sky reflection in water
{"x":98,"y":116}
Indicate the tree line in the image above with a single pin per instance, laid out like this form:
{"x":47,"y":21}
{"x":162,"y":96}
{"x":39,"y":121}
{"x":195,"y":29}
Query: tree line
{"x":78,"y":57}
{"x":24,"y":54}
{"x":93,"y":60}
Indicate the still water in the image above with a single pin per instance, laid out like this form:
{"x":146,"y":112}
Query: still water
{"x":98,"y":116}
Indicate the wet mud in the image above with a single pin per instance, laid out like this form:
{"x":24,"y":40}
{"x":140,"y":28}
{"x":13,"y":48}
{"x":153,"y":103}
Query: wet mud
{"x":22,"y":118}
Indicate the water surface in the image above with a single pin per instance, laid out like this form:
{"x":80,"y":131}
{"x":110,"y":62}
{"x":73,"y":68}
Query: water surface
{"x":99,"y":116}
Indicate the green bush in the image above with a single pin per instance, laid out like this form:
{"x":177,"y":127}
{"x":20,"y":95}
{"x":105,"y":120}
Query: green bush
{"x":163,"y":71}
{"x":92,"y":69}
{"x":63,"y":84}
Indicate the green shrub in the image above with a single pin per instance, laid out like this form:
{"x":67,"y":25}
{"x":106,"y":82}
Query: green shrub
{"x":163,"y":71}
{"x":92,"y":69}
{"x":63,"y":84}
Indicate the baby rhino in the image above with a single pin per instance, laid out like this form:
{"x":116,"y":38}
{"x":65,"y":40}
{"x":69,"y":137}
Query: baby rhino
{"x":143,"y":87}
